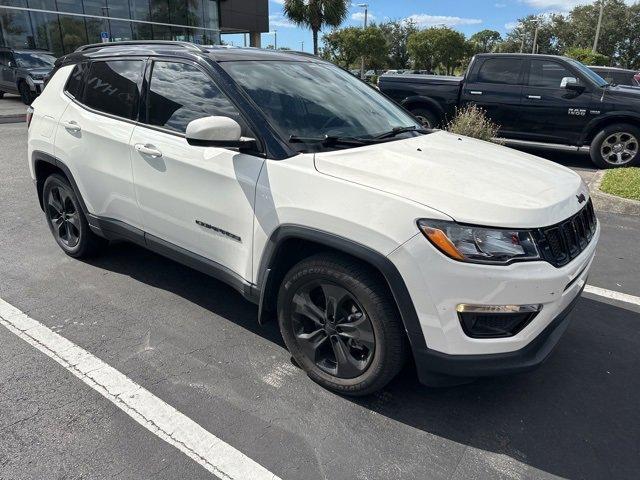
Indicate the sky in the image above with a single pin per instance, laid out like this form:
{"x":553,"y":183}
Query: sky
{"x":467,"y":16}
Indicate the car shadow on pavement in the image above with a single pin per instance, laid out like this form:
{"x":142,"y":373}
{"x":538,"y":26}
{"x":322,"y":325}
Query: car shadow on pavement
{"x":196,"y":287}
{"x":577,"y":416}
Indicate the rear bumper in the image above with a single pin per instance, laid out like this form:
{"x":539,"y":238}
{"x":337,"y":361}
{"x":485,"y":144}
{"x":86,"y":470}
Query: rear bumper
{"x":436,"y":368}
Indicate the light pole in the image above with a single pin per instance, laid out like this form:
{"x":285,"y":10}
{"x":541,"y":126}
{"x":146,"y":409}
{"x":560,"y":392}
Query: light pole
{"x":275,"y":38}
{"x":366,"y":11}
{"x":302,"y":45}
{"x":595,"y":40}
{"x":535,"y":36}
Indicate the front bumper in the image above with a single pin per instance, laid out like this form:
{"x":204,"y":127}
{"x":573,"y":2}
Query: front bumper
{"x":434,"y":367}
{"x":437,"y":285}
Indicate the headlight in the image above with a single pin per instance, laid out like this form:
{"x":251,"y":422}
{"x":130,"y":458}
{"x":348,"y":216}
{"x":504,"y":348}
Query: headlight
{"x":479,"y":244}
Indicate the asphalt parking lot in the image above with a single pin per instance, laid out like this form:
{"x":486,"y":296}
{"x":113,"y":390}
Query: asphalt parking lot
{"x":194,"y":343}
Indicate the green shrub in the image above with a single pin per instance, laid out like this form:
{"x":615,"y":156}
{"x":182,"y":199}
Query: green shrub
{"x":586,"y":56}
{"x":472,"y":121}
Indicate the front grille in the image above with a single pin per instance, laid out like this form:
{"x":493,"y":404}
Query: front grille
{"x":559,"y":244}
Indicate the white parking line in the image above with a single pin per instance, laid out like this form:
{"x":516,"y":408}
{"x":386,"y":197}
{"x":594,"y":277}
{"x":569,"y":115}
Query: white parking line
{"x":145,"y":408}
{"x":613,"y":295}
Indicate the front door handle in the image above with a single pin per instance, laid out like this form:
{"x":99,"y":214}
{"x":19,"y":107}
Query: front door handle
{"x":148,"y":149}
{"x":475,"y":92}
{"x":72,"y":126}
{"x":534,"y":97}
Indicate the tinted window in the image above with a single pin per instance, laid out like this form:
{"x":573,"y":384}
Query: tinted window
{"x":35,"y":60}
{"x":180,"y":93}
{"x":547,"y":74}
{"x":500,"y":70}
{"x":621,"y":78}
{"x":112,"y":87}
{"x":76,"y":80}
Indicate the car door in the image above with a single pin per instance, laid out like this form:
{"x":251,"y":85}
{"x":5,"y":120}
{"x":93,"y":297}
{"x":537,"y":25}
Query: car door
{"x":93,"y":134}
{"x":197,"y":198}
{"x":551,"y":113}
{"x":495,"y":85}
{"x":5,"y":72}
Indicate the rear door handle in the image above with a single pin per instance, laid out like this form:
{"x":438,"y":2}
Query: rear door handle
{"x":148,"y":149}
{"x":475,"y":92}
{"x":72,"y":126}
{"x":534,"y":97}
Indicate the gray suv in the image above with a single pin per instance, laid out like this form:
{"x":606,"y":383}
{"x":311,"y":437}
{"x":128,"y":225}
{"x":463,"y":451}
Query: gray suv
{"x":24,"y":71}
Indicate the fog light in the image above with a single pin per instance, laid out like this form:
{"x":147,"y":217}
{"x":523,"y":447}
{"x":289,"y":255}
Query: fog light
{"x":495,"y":321}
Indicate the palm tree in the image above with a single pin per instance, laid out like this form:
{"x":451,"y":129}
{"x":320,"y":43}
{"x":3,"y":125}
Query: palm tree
{"x":316,"y":14}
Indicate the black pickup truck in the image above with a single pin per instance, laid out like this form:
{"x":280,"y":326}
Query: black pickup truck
{"x":541,"y":100}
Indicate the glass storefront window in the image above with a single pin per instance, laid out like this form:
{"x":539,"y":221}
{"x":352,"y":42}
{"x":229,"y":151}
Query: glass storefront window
{"x":120,"y":30}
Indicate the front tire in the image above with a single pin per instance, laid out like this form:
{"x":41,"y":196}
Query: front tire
{"x":426,"y":117}
{"x":26,"y":94}
{"x":341,"y":324}
{"x":66,"y":220}
{"x":616,"y":146}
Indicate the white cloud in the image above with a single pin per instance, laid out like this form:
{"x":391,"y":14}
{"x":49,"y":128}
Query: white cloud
{"x":280,"y":21}
{"x":279,"y":2}
{"x":424,"y":20}
{"x":510,"y":26}
{"x":563,"y":4}
{"x":500,"y":5}
{"x":359,"y":16}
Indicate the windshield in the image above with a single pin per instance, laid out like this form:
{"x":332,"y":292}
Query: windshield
{"x":34,"y":60}
{"x":590,"y":74}
{"x":309,"y":99}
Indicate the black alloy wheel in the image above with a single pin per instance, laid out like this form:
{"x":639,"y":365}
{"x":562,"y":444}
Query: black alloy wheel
{"x":332,"y":329}
{"x":26,"y":95}
{"x":341,"y":324}
{"x":64,"y":216}
{"x":66,"y":219}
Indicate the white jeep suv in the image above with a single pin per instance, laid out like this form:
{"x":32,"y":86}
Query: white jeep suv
{"x":320,"y":200}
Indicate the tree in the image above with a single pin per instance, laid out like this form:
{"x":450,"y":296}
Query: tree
{"x":316,"y":14}
{"x":397,"y":35}
{"x":438,"y":46}
{"x":485,"y":41}
{"x":586,"y":56}
{"x":347,"y":46}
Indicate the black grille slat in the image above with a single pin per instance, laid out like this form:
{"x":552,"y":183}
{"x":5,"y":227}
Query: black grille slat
{"x":566,"y":240}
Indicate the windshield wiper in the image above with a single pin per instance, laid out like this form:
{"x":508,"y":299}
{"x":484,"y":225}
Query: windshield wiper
{"x":398,"y":130}
{"x":332,"y":141}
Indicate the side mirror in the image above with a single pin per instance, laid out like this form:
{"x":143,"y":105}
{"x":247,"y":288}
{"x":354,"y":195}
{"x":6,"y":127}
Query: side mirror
{"x":570,"y":83}
{"x":217,"y":131}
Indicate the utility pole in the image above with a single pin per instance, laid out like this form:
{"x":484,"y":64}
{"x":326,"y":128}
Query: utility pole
{"x":275,"y":39}
{"x":302,"y":45}
{"x":595,"y":40}
{"x":535,"y":37}
{"x":366,"y":10}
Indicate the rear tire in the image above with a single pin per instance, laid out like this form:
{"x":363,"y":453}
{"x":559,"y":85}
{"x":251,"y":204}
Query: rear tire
{"x":426,"y":117}
{"x":616,"y":146}
{"x":66,"y":220}
{"x":341,"y":324}
{"x":26,"y":94}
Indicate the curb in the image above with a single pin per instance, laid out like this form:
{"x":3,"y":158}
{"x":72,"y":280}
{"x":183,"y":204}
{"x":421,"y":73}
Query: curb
{"x":13,"y":118}
{"x":605,"y":202}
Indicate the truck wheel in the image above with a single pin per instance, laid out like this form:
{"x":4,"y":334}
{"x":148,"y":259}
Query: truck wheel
{"x":341,"y":325}
{"x":426,"y":117}
{"x":616,"y":146}
{"x":1,"y":94}
{"x":26,"y":94}
{"x":66,"y":221}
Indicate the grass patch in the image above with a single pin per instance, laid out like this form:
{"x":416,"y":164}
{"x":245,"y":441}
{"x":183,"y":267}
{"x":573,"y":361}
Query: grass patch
{"x":623,"y":182}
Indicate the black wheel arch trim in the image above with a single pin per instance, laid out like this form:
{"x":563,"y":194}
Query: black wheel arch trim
{"x":428,"y":103}
{"x":597,"y":124}
{"x":377,"y":260}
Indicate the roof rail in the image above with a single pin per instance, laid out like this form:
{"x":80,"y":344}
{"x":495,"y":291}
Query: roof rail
{"x":187,"y":45}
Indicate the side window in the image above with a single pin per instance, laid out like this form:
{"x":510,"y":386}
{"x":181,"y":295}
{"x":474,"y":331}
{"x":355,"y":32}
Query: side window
{"x":75,"y":81}
{"x":547,"y":74}
{"x":180,"y":93}
{"x":112,"y":87}
{"x":504,"y":71}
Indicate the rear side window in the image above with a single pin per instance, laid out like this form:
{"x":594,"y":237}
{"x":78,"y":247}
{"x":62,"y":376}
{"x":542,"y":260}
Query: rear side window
{"x":76,"y":81}
{"x":505,"y":71}
{"x":112,"y":87}
{"x":180,"y":93}
{"x":547,"y":74}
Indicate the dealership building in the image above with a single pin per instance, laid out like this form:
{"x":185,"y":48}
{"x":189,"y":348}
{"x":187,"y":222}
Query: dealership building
{"x":61,"y":26}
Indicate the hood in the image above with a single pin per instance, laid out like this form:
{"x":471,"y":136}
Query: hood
{"x":469,"y":180}
{"x":626,"y":91}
